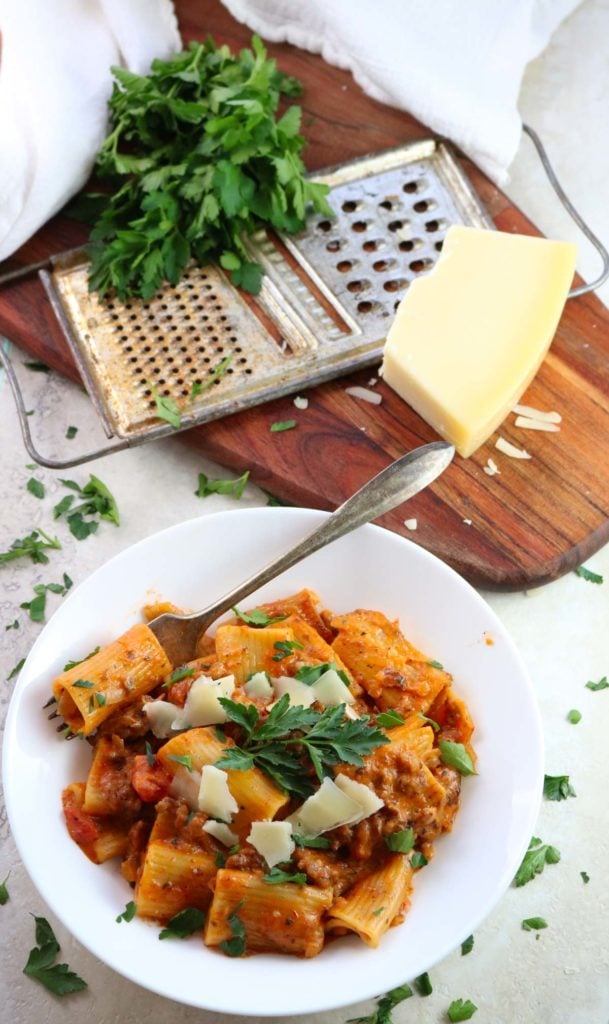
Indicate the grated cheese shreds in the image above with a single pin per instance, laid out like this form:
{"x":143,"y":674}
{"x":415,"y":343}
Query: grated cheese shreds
{"x":410,"y":524}
{"x":528,"y":424}
{"x":491,"y":468}
{"x":365,"y":395}
{"x":301,"y":403}
{"x":511,"y":449}
{"x":537,"y":414}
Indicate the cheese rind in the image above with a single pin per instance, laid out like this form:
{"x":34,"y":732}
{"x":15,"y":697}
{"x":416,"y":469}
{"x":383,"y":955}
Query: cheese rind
{"x":468,"y":338}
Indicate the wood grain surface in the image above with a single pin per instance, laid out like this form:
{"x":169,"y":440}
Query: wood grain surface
{"x":530,"y":524}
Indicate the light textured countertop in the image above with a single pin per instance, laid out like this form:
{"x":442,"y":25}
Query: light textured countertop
{"x":560,"y":629}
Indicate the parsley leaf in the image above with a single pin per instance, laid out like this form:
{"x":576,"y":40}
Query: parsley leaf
{"x":418,"y":860}
{"x":388,"y":719}
{"x":400,"y":842}
{"x":4,"y":894}
{"x":183,"y":924}
{"x":183,"y":759}
{"x":585,"y":877}
{"x":36,"y":607}
{"x":199,"y":387}
{"x":461,"y":1009}
{"x":285,"y":648}
{"x":274,"y":501}
{"x":382,"y":1014}
{"x":423,"y":984}
{"x":436,"y":664}
{"x":166,"y":408}
{"x":281,"y":425}
{"x":557,"y":787}
{"x":257,"y":617}
{"x":183,"y":672}
{"x":36,"y":487}
{"x":276,"y":875}
{"x":467,"y":945}
{"x":309,"y":674}
{"x":33,"y":546}
{"x":83,"y":684}
{"x":432,"y":722}
{"x":149,"y":755}
{"x":36,"y":366}
{"x":71,"y":433}
{"x":16,"y":670}
{"x":13,"y":625}
{"x":315,"y":842}
{"x":57,"y":978}
{"x":128,"y":913}
{"x":587,"y":574}
{"x":534,"y":924}
{"x":236,"y":945}
{"x":96,"y":500}
{"x":535,"y":859}
{"x":603,"y":684}
{"x":72,"y":664}
{"x":233,"y":488}
{"x":456,"y":756}
{"x":574,"y":716}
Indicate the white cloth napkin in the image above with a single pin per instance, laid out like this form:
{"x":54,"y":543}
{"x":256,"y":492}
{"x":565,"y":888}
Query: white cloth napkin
{"x":54,"y":86}
{"x":457,"y":66}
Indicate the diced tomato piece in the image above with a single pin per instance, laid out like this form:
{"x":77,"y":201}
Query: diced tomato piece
{"x":151,"y":782}
{"x":81,"y":826}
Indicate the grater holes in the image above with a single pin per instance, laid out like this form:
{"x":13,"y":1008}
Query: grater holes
{"x":435,"y":225}
{"x":408,"y":245}
{"x":438,"y":246}
{"x":390,"y":203}
{"x":395,"y":284}
{"x":334,"y":245}
{"x":423,"y":205}
{"x":397,"y":225}
{"x":359,"y":225}
{"x":373,"y":244}
{"x":344,"y":266}
{"x":418,"y":266}
{"x":415,"y":186}
{"x":324,"y":225}
{"x":357,"y":286}
{"x":381,"y":265}
{"x":350,"y":206}
{"x":366,"y":306}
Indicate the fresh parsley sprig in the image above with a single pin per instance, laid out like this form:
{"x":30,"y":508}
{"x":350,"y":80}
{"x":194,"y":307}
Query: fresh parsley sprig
{"x":535,"y":859}
{"x":557,"y":787}
{"x":257,"y":617}
{"x":232,"y":488}
{"x":183,"y":924}
{"x":384,"y":1007}
{"x":57,"y":978}
{"x":33,"y":546}
{"x":96,"y":500}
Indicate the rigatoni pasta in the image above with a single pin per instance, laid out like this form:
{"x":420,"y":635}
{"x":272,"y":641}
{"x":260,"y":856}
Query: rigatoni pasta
{"x":287,"y":784}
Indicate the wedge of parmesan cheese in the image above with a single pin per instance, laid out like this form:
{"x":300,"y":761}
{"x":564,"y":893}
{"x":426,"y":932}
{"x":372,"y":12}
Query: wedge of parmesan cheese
{"x":299,"y":693}
{"x":363,"y":795}
{"x":221,"y":832}
{"x":259,"y":686}
{"x":215,"y":798}
{"x":330,"y":690}
{"x":328,"y":808}
{"x":202,"y":705}
{"x":185,"y":786}
{"x":272,"y":840}
{"x":161,"y":715}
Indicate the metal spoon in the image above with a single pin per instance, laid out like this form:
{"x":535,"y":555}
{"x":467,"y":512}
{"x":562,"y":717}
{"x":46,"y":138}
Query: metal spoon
{"x":400,"y":481}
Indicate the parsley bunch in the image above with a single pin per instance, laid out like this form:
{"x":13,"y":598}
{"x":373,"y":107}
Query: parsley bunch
{"x":196,"y":158}
{"x":277,"y":743}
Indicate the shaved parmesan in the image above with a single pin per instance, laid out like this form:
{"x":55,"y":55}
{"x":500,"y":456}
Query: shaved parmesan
{"x":330,"y":690}
{"x":410,"y":524}
{"x":529,"y":424}
{"x":467,"y":522}
{"x":510,"y":449}
{"x":491,"y":468}
{"x":373,"y":381}
{"x":328,"y":808}
{"x":215,"y":798}
{"x":351,"y":713}
{"x":299,"y":693}
{"x":259,"y":685}
{"x":161,"y":715}
{"x":537,"y":414}
{"x":301,"y":403}
{"x":185,"y":786}
{"x":202,"y":705}
{"x":365,"y":395}
{"x":272,"y":840}
{"x":363,"y":795}
{"x":221,"y":832}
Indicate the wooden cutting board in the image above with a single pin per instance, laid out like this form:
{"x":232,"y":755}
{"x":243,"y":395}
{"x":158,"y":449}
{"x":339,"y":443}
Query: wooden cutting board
{"x":530,"y":524}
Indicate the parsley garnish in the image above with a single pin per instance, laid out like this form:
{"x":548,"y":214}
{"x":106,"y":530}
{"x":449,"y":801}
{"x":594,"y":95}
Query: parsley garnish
{"x":72,"y":664}
{"x":33,"y":546}
{"x":400,"y":842}
{"x":233,"y":488}
{"x":128,"y":913}
{"x":603,"y":684}
{"x":216,"y":374}
{"x":325,"y":738}
{"x":388,"y":719}
{"x":276,"y":875}
{"x":423,"y":984}
{"x":315,"y":842}
{"x":83,"y":684}
{"x":557,"y":787}
{"x":71,"y":433}
{"x":57,"y":978}
{"x":281,"y":425}
{"x":467,"y":945}
{"x":149,"y":755}
{"x":432,"y":722}
{"x":285,"y":648}
{"x":16,"y":670}
{"x":183,"y":924}
{"x":378,"y":911}
{"x":534,"y":924}
{"x":96,"y":500}
{"x":456,"y":756}
{"x":309,"y":674}
{"x":273,"y":501}
{"x":196,"y":159}
{"x":100,"y":699}
{"x":35,"y":487}
{"x":418,"y":860}
{"x":13,"y":625}
{"x":574,"y":716}
{"x":236,"y":945}
{"x":36,"y":366}
{"x":257,"y":617}
{"x":587,"y":574}
{"x":382,"y":1014}
{"x":220,"y":860}
{"x":4,"y":894}
{"x":461,"y":1009}
{"x":166,"y":408}
{"x":183,"y":672}
{"x":535,"y":859}
{"x":585,"y":877}
{"x":36,"y":607}
{"x":436,"y":664}
{"x":184,"y":759}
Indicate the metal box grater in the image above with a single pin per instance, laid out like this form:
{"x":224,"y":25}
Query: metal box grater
{"x":327,"y":297}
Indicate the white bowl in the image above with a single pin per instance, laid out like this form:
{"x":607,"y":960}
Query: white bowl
{"x":192,"y":564}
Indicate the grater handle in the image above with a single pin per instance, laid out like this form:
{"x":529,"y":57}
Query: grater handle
{"x":575,"y":216}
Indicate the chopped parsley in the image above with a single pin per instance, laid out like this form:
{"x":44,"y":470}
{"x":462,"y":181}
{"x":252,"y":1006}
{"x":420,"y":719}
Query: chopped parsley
{"x":166,"y":408}
{"x":183,"y":759}
{"x":276,"y":876}
{"x":388,"y":719}
{"x":71,"y":433}
{"x":36,"y":487}
{"x":83,"y":684}
{"x":95,"y":500}
{"x":57,"y":978}
{"x":309,"y":674}
{"x":436,"y":664}
{"x":378,"y":911}
{"x":423,"y":984}
{"x":183,"y":924}
{"x":602,"y":684}
{"x":587,"y":574}
{"x":232,"y":488}
{"x":585,"y":877}
{"x":257,"y":617}
{"x":15,"y":670}
{"x":128,"y":913}
{"x":535,"y":859}
{"x":315,"y":842}
{"x":461,"y":1009}
{"x":36,"y":607}
{"x":534,"y":924}
{"x":183,"y":672}
{"x":285,"y":648}
{"x":4,"y":894}
{"x":33,"y":546}
{"x":236,"y":945}
{"x":418,"y":860}
{"x":384,"y":1006}
{"x":274,"y":502}
{"x":400,"y":842}
{"x":72,"y":664}
{"x":436,"y":728}
{"x":456,"y":756}
{"x":467,"y":945}
{"x":199,"y":387}
{"x":36,"y":366}
{"x":281,"y":425}
{"x":149,"y":755}
{"x":557,"y":787}
{"x":574,"y":716}
{"x":12,"y":625}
